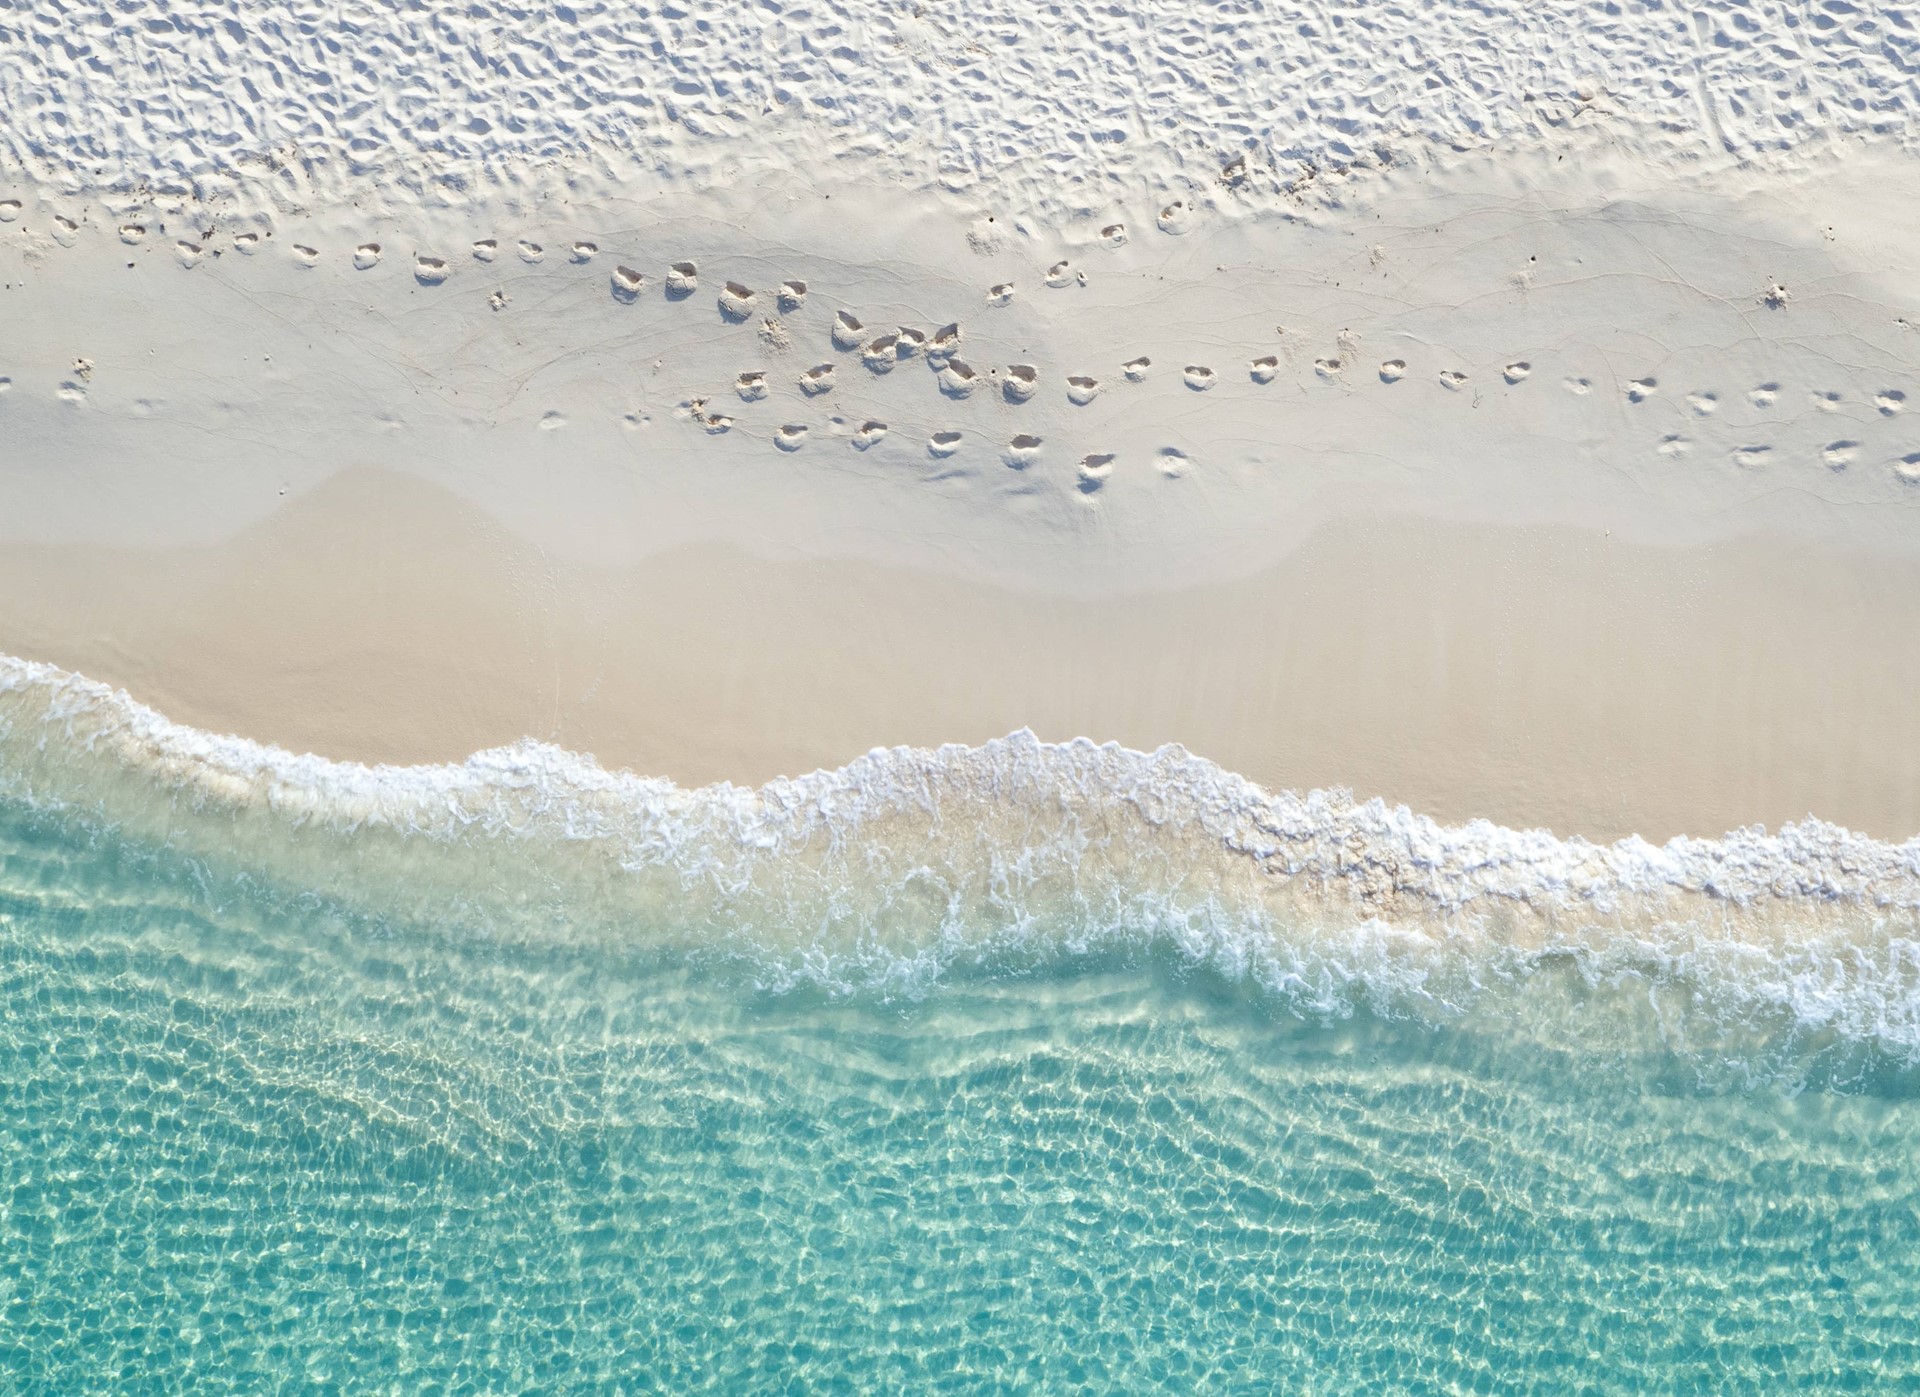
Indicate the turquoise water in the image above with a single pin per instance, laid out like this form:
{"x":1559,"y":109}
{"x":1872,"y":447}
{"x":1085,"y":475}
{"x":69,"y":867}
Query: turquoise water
{"x":254,"y":1137}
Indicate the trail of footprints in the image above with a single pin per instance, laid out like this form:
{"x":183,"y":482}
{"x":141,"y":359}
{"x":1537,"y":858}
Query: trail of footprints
{"x":882,"y":349}
{"x":1701,"y":405}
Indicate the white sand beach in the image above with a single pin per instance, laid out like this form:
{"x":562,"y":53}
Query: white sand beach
{"x":856,"y":696}
{"x":1514,"y":431}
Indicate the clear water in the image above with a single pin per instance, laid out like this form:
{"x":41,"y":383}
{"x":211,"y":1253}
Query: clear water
{"x":255,"y":1139}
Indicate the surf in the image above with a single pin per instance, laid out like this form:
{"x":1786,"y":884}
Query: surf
{"x":910,"y":869}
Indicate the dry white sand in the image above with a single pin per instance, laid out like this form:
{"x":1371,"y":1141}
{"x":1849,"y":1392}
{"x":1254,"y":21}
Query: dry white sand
{"x":1501,"y":411}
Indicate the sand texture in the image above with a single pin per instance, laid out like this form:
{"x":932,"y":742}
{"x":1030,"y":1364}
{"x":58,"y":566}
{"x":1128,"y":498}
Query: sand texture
{"x":1052,"y":108}
{"x":1498,"y":409}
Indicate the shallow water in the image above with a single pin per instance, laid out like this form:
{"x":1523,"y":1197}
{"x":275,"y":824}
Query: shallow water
{"x":254,"y":1137}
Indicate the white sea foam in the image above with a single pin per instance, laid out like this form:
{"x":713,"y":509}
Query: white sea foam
{"x":907,"y":863}
{"x":1382,"y":854}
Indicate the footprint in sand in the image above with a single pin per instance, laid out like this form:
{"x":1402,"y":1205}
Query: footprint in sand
{"x":683,"y":279}
{"x":943,"y":444}
{"x":531,"y":252}
{"x":188,"y":254}
{"x":1176,"y":217}
{"x":1393,"y":370}
{"x":736,"y":302}
{"x":582,"y":252}
{"x":431,"y":271}
{"x":65,"y":230}
{"x":791,"y":296}
{"x":1198,"y":377}
{"x":1174,"y":462}
{"x":133,"y":234}
{"x":1751,"y":456}
{"x":1060,"y":274}
{"x":365,"y":256}
{"x":1022,"y":451}
{"x":869,"y":433}
{"x":1765,"y":395}
{"x":1094,"y":471}
{"x":1890,"y":402}
{"x":1908,"y":468}
{"x":486,"y":250}
{"x":1827,"y":401}
{"x":945,"y":342}
{"x":1081,"y":389}
{"x":9,"y":210}
{"x":1703,"y":404}
{"x":751,"y":385}
{"x":817,"y":380}
{"x":1136,"y":369}
{"x":1838,"y":455}
{"x":1453,"y":378}
{"x":1328,"y":368}
{"x":1517,"y":371}
{"x":881,"y":353}
{"x":1114,"y":235}
{"x":1579,"y":387}
{"x":552,"y":422}
{"x":846,"y":330}
{"x":1673,"y":446}
{"x":790,"y":437}
{"x":909,"y":342}
{"x":1640,"y":389}
{"x":1021,"y":382}
{"x":626,"y":284}
{"x":72,"y":391}
{"x":246,"y":244}
{"x":957,"y":380}
{"x":497,"y":299}
{"x":1000,"y":294}
{"x":714,"y":423}
{"x":1264,"y":369}
{"x":306,"y":256}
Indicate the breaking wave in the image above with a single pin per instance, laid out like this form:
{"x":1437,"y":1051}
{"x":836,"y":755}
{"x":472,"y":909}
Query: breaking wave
{"x":911,"y":866}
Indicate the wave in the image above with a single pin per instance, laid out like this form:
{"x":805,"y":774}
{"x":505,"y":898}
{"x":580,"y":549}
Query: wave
{"x":909,"y":866}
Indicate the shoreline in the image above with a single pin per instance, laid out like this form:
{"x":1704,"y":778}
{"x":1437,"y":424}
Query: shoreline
{"x":1497,"y":491}
{"x":1534,"y":677}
